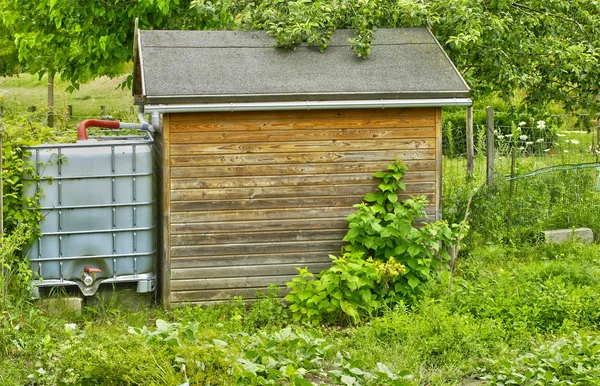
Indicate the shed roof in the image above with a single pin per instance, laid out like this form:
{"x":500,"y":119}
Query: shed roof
{"x":244,"y":66}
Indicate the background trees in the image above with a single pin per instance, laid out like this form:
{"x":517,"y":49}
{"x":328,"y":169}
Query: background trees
{"x":549,"y":48}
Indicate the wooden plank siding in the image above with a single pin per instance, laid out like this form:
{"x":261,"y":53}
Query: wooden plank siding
{"x":254,"y":195}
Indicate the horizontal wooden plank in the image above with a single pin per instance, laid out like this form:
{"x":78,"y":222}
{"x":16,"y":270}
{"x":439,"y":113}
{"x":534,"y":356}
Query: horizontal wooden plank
{"x":295,"y":169}
{"x":230,"y":283}
{"x":313,"y":214}
{"x":324,"y":222}
{"x":296,"y":180}
{"x":396,"y":113}
{"x":249,"y":249}
{"x":257,"y":237}
{"x":296,"y":147}
{"x":209,"y":297}
{"x":290,"y":191}
{"x":274,"y":125}
{"x":244,"y":271}
{"x":220,"y":136}
{"x":274,"y":181}
{"x":270,"y":203}
{"x":276,"y":203}
{"x":300,"y":157}
{"x":301,"y":258}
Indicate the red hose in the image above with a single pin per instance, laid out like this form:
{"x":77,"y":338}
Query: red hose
{"x":82,"y":132}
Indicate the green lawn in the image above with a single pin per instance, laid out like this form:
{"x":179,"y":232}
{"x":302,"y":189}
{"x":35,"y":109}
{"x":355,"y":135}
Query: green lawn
{"x":517,"y":312}
{"x":505,"y":303}
{"x":18,"y":93}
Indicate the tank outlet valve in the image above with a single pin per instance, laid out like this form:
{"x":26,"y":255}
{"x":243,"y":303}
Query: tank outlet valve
{"x":89,"y":275}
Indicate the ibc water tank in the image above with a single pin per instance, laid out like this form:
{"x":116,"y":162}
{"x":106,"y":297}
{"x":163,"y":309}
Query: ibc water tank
{"x":98,"y":206}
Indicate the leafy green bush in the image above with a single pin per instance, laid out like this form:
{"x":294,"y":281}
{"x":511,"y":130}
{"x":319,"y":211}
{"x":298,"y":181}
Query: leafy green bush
{"x":353,"y":287}
{"x":14,"y":270}
{"x":387,"y":257}
{"x":20,"y":217}
{"x":568,"y":361}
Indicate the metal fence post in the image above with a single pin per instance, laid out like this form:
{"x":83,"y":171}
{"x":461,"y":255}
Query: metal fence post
{"x":489,"y":113}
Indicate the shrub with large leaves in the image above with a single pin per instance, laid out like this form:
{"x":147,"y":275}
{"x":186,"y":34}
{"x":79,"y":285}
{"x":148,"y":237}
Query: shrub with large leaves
{"x":390,"y":253}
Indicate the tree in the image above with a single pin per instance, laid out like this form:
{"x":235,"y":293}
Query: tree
{"x":80,"y":40}
{"x":9,"y":61}
{"x":550,"y":48}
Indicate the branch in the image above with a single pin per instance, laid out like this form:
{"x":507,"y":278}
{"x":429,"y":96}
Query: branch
{"x":457,"y":248}
{"x":525,"y":7}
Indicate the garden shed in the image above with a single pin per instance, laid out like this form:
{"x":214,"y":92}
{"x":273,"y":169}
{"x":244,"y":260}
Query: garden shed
{"x":263,"y":152}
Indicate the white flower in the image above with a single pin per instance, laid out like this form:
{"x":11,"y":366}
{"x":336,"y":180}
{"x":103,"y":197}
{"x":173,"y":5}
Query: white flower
{"x":560,"y":135}
{"x":566,"y":151}
{"x":546,"y":150}
{"x":540,"y":140}
{"x":70,"y":327}
{"x":573,"y":141}
{"x":528,"y":143}
{"x":522,"y":123}
{"x":523,"y":137}
{"x":508,"y":136}
{"x":521,"y":148}
{"x":541,"y":125}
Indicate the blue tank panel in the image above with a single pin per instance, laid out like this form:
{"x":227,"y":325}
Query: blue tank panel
{"x":98,"y":204}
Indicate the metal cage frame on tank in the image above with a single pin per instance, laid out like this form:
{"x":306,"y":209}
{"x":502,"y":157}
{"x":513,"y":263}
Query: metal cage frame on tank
{"x":89,"y":238}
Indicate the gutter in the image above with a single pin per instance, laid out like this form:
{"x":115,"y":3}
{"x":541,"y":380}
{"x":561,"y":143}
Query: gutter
{"x":306,"y":105}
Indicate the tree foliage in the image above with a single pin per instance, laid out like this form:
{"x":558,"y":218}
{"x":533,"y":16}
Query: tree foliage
{"x":80,"y":40}
{"x":548,"y":48}
{"x":9,"y":62}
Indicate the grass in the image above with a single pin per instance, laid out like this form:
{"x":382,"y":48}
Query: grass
{"x":513,"y":304}
{"x":505,"y":303}
{"x":18,"y":93}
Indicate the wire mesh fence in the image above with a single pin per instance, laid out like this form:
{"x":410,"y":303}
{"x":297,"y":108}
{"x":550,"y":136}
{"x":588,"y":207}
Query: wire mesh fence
{"x":543,"y":178}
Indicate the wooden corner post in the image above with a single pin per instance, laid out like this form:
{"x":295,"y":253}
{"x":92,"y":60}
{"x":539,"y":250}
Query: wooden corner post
{"x":165,"y":217}
{"x":470,"y":145}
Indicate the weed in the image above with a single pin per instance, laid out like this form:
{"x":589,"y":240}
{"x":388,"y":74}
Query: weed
{"x":268,"y":311}
{"x":14,"y":271}
{"x":568,"y":361}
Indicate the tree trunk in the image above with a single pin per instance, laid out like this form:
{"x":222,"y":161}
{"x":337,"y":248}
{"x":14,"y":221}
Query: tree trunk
{"x":50,"y":100}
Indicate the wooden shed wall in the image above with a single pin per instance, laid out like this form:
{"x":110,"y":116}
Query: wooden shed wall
{"x":254,"y":195}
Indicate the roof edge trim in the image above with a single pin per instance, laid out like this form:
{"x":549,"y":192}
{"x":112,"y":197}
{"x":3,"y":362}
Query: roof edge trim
{"x":307,"y":105}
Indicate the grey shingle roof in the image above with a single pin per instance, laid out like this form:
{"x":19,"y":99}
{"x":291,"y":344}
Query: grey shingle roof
{"x":244,"y":66}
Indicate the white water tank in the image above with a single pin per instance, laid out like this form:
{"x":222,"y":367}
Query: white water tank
{"x":98,"y":206}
